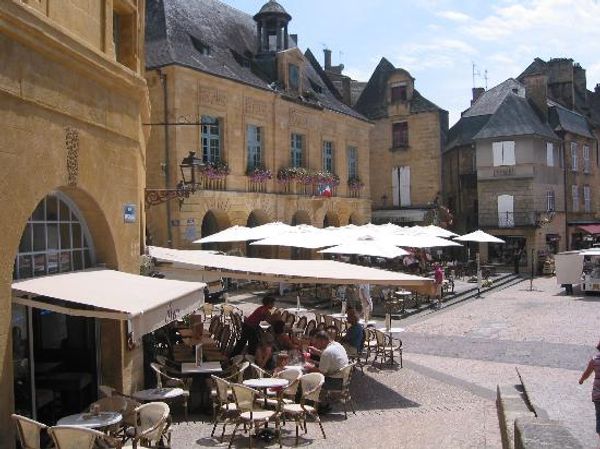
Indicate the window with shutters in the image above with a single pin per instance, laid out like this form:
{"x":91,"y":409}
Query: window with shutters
{"x":506,"y":211}
{"x":211,"y":139}
{"x":352,"y":155}
{"x":297,"y":147}
{"x":503,"y":153}
{"x":550,"y":154}
{"x":400,"y":135}
{"x":328,"y":156}
{"x":398,"y":93}
{"x":550,"y":201}
{"x":254,"y":142}
{"x":586,"y":159}
{"x":587,"y":199}
{"x":574,"y":156}
{"x":575,"y":198}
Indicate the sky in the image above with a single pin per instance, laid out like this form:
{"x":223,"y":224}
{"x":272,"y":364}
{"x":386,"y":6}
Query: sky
{"x":438,"y":41}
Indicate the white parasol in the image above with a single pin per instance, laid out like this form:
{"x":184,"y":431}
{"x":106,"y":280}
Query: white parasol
{"x":367,"y":246}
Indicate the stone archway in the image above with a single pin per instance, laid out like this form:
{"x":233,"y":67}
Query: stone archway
{"x":214,"y":221}
{"x":331,"y":219}
{"x":301,"y":217}
{"x":256,"y":218}
{"x":356,"y":219}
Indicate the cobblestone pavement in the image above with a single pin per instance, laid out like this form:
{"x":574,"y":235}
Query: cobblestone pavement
{"x":454,"y":359}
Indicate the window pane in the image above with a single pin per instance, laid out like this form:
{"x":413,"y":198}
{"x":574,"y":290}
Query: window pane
{"x":52,"y":236}
{"x":65,"y":213}
{"x":39,"y":237}
{"x":39,"y":213}
{"x":39,"y":265}
{"x":65,"y":261}
{"x":76,"y":235}
{"x":51,"y":208}
{"x":25,"y":245}
{"x":65,"y":236}
{"x":87,"y":259}
{"x":52,"y":263}
{"x":77,"y":261}
{"x":25,"y":267}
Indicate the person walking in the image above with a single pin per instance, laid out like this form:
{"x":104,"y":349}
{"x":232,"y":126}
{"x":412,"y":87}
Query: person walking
{"x":438,"y":276}
{"x":517,"y":258}
{"x":250,"y":327}
{"x":594,"y":367}
{"x":364,"y":293}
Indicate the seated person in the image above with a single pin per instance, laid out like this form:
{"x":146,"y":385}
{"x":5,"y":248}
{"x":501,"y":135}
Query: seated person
{"x":333,"y":332}
{"x":283,"y":341}
{"x":264,"y":352}
{"x":283,"y":359}
{"x":333,"y":358}
{"x":355,"y":335}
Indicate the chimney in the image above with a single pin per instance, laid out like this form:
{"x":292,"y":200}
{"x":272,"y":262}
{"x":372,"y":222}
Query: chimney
{"x":294,"y":38}
{"x":597,"y":89}
{"x":536,"y":91}
{"x":327,"y":53}
{"x":477,"y":92}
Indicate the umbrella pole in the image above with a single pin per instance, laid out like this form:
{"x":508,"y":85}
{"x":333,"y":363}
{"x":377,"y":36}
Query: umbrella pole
{"x":478,"y":275}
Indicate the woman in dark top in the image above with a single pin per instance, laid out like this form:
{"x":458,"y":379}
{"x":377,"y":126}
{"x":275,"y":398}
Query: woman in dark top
{"x":594,"y":367}
{"x":250,"y":328}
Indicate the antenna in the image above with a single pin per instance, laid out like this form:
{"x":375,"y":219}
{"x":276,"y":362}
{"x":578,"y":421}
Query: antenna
{"x":485,"y":76}
{"x":476,"y":73}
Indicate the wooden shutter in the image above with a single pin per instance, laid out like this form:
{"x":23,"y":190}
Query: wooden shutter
{"x":405,"y":186}
{"x":508,"y":150}
{"x":395,"y":187}
{"x":497,"y":153}
{"x":550,"y":154}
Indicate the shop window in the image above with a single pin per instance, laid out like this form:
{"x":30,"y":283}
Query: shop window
{"x":506,"y":211}
{"x":328,"y":156}
{"x":297,"y":150}
{"x":503,"y":153}
{"x":398,"y":93}
{"x":400,"y":135}
{"x":211,"y":139}
{"x":124,"y":34}
{"x":254,"y":139}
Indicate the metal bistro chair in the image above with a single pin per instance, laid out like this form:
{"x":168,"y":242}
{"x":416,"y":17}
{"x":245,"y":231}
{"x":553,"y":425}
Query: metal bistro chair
{"x":343,"y":394}
{"x":385,"y":349}
{"x":249,"y":415}
{"x":311,"y":385}
{"x":74,"y":437}
{"x":152,"y":426}
{"x":288,"y":394}
{"x":164,"y":380}
{"x":29,"y":431}
{"x":310,"y":326}
{"x":225,"y":408}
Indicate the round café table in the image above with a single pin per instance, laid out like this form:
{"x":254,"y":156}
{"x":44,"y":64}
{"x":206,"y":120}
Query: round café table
{"x":91,"y":421}
{"x":264,"y":384}
{"x":158,"y":394}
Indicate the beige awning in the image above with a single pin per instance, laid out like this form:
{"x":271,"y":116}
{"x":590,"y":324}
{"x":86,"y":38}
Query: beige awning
{"x":290,"y":271}
{"x":146,"y":303}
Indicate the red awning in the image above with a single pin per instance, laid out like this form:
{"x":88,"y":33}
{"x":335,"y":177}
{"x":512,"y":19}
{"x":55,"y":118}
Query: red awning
{"x":591,"y":229}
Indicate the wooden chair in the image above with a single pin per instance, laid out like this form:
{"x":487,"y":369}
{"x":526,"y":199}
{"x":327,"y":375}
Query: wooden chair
{"x":343,"y":394}
{"x":249,"y":414}
{"x":29,"y":431}
{"x":311,"y":385}
{"x":74,"y":437}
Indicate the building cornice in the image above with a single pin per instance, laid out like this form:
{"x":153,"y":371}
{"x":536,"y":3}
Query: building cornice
{"x":27,"y":26}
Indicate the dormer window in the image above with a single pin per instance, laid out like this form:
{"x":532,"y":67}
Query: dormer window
{"x":294,"y":77}
{"x":399,"y":93}
{"x":202,"y":48}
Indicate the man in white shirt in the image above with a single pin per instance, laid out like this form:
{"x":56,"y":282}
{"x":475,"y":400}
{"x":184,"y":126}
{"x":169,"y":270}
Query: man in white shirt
{"x":333,"y":356}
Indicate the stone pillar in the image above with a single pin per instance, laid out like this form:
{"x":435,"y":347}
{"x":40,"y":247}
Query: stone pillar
{"x":286,"y":40}
{"x":279,"y":40}
{"x":265,"y":37}
{"x":259,"y":29}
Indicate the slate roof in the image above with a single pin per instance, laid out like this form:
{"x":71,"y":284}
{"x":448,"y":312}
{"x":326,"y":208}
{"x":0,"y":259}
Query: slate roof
{"x":514,"y":117}
{"x":372,"y":101}
{"x":491,"y":100}
{"x":562,"y":119}
{"x":178,"y":30}
{"x":463,"y":132}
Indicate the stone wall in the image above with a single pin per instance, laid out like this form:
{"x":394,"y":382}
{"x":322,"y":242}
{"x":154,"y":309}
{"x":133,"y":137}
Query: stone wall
{"x":70,"y":120}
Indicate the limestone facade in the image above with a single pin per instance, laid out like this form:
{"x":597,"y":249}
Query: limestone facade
{"x":71,"y":115}
{"x":192,"y":94}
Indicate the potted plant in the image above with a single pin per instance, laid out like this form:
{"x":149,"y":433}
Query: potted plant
{"x":214,"y":170}
{"x":354,"y":183}
{"x":259,"y":174}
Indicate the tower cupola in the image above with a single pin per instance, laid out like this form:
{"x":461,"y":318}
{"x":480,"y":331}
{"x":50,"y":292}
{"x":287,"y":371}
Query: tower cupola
{"x":272,"y":28}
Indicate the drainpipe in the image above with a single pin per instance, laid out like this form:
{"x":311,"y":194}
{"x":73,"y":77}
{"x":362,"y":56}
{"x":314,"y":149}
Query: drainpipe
{"x":163,"y":80}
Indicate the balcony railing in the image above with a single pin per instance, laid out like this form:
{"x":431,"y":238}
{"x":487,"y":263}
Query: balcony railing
{"x":258,"y":187}
{"x":508,"y":219}
{"x":207,"y":183}
{"x":299,"y":188}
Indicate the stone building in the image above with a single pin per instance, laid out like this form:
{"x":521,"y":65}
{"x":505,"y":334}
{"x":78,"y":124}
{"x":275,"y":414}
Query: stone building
{"x":574,"y":114}
{"x":273,"y":134}
{"x":406,"y":145}
{"x":72,"y":104}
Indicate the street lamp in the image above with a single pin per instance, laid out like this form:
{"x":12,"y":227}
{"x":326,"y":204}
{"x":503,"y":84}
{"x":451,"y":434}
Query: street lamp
{"x":185,"y":187}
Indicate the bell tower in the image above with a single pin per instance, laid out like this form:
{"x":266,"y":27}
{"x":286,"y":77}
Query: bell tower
{"x":272,"y":28}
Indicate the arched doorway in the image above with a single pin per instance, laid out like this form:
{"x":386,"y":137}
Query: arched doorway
{"x":356,"y":219}
{"x":301,"y":217}
{"x":331,"y":219}
{"x":257,"y":218}
{"x":55,"y":239}
{"x":215,"y":221}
